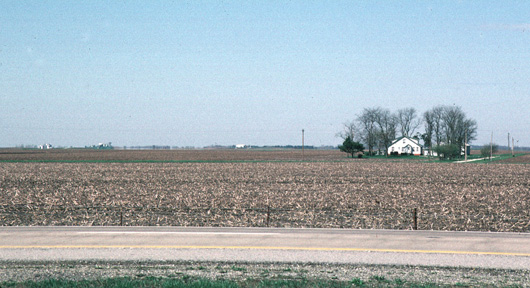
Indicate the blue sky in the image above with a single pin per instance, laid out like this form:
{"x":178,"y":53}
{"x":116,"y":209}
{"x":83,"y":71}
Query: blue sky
{"x":197,"y":73}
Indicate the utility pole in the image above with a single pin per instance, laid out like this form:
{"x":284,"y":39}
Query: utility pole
{"x":508,"y":140}
{"x":465,"y":147}
{"x":513,"y":155}
{"x":491,"y":146}
{"x":302,"y":144}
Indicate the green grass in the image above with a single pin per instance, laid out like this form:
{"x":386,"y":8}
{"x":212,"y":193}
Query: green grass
{"x":186,"y":281}
{"x":127,"y":282}
{"x":505,"y":156}
{"x":240,"y":269}
{"x":192,"y":282}
{"x":496,"y":157}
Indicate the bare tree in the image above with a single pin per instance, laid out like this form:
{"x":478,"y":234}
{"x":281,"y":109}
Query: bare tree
{"x":408,"y":121}
{"x":387,"y":124}
{"x":456,"y":125}
{"x":368,"y":128}
{"x":452,"y":120}
{"x":435,"y":117}
{"x":448,"y":125}
{"x":428,"y":120}
{"x":349,"y":130}
{"x":470,"y":128}
{"x":465,"y":126}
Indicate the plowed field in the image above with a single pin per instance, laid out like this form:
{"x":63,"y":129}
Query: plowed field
{"x":356,"y":193}
{"x":169,"y":155}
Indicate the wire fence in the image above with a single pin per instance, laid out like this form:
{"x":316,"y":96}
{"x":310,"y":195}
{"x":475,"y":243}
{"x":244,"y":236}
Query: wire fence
{"x":406,"y":219}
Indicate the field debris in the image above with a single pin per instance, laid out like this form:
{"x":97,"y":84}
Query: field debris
{"x":344,"y":194}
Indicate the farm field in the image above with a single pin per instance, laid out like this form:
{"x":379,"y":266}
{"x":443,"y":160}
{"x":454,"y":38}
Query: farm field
{"x":169,"y":155}
{"x":331,"y":192}
{"x":522,"y":159}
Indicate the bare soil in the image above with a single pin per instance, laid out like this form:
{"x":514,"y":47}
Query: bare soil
{"x":170,"y":155}
{"x":342,"y":193}
{"x":523,"y":159}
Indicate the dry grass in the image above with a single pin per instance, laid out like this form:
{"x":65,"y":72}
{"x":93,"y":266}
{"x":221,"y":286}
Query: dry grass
{"x":347,"y":194}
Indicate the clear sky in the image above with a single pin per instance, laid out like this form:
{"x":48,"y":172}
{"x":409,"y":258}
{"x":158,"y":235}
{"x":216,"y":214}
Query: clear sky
{"x":197,"y":73}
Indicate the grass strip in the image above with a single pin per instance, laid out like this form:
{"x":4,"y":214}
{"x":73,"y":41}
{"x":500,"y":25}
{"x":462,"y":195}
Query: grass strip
{"x":196,"y":282}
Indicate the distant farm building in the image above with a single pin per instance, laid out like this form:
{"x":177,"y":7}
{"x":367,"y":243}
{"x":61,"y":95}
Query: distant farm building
{"x":105,"y":146}
{"x":101,"y":146}
{"x":241,"y":146}
{"x":46,"y":146}
{"x":406,"y":146}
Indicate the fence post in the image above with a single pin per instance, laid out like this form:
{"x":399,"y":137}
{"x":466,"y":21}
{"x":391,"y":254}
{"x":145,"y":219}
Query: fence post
{"x":415,"y":219}
{"x":268,"y":215}
{"x":121,"y":216}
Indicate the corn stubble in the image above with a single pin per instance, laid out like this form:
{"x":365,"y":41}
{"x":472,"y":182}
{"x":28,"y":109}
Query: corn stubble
{"x":348,"y":194}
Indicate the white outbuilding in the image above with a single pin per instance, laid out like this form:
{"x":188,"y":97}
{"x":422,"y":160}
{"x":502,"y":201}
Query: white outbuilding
{"x":406,"y":145}
{"x":46,"y":146}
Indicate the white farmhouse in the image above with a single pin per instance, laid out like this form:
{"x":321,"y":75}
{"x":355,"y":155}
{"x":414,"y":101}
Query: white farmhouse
{"x":406,"y":145}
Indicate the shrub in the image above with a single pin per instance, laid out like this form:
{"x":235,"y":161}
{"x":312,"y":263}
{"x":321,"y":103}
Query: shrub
{"x":447,"y":151}
{"x":487,"y":149}
{"x":351,"y":147}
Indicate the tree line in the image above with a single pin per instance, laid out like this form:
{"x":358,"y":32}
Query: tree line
{"x":445,"y":129}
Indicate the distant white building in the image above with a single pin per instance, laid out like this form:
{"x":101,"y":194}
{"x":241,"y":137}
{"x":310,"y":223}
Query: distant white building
{"x":241,"y":146}
{"x":429,"y":152}
{"x":406,"y":145}
{"x":46,"y":146}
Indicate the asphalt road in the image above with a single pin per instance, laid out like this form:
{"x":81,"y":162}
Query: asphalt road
{"x":429,"y":248}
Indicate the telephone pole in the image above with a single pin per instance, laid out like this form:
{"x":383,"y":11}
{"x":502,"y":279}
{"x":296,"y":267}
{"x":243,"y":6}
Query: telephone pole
{"x":491,"y":146}
{"x":302,"y":144}
{"x":465,"y":147}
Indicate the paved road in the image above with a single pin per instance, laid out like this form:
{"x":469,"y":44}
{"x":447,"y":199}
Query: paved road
{"x":431,"y":248}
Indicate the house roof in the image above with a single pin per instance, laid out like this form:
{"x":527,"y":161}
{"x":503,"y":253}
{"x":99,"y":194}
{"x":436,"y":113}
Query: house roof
{"x":417,"y":142}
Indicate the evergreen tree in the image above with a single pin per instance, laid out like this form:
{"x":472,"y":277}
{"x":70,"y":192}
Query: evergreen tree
{"x":351,"y":147}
